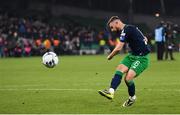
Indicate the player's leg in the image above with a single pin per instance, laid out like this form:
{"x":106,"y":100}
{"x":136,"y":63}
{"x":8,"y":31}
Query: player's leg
{"x":115,"y":82}
{"x":131,"y":87}
{"x":136,"y":69}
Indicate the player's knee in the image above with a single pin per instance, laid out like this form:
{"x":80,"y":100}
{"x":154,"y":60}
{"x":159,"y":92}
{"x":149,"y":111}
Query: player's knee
{"x":122,"y":68}
{"x":128,"y":78}
{"x":129,"y":82}
{"x":130,"y":75}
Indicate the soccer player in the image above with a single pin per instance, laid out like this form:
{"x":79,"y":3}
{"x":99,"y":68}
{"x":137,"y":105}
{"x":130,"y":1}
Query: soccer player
{"x":133,"y":64}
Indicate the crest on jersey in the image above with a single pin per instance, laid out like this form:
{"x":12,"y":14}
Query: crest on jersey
{"x":122,"y":37}
{"x":122,"y":33}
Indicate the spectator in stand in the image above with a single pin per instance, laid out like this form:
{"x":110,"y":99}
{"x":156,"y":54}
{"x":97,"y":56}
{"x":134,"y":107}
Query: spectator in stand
{"x":2,"y":46}
{"x":27,"y":49}
{"x":18,"y":51}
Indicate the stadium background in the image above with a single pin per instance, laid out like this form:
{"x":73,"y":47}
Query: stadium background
{"x":29,"y":28}
{"x":76,"y":27}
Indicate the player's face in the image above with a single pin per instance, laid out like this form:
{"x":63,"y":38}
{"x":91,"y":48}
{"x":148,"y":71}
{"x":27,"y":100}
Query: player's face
{"x":114,"y":26}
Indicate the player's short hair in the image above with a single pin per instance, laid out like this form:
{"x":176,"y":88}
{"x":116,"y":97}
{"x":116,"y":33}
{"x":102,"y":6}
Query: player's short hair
{"x":112,"y":19}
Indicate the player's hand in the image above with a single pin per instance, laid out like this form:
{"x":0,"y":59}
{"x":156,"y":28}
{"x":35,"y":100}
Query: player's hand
{"x":109,"y":57}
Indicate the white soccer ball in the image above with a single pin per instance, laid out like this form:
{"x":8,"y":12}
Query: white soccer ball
{"x":50,"y":59}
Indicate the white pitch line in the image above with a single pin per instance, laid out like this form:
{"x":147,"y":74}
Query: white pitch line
{"x":25,"y":85}
{"x":46,"y":89}
{"x":56,"y":89}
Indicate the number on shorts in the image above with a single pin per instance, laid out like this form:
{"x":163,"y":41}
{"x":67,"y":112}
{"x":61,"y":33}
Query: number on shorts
{"x":136,"y":64}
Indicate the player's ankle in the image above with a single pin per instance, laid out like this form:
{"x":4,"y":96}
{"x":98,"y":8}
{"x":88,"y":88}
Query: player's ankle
{"x":132,"y":97}
{"x":111,"y":90}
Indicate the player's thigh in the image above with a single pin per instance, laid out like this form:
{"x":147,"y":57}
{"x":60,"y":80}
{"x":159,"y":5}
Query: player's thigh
{"x":140,"y":65}
{"x":125,"y":64}
{"x":130,"y":75}
{"x":123,"y":68}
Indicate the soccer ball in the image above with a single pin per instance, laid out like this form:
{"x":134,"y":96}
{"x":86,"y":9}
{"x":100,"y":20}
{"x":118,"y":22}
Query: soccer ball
{"x":50,"y":59}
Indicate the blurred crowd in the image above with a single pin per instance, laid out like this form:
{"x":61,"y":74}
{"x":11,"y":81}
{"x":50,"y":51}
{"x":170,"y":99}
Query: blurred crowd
{"x":29,"y":36}
{"x":33,"y":36}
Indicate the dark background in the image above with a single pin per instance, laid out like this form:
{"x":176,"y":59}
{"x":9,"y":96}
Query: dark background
{"x":148,"y":7}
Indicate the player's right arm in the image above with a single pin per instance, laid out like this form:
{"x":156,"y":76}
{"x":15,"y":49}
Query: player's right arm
{"x":118,"y":47}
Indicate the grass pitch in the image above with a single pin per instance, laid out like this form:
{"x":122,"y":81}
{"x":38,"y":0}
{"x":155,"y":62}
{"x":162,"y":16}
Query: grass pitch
{"x":26,"y":86}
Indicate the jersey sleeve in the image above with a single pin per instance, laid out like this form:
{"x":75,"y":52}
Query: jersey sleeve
{"x":123,"y":36}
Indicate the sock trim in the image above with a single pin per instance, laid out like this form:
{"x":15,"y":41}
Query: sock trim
{"x":119,"y":73}
{"x":129,"y":82}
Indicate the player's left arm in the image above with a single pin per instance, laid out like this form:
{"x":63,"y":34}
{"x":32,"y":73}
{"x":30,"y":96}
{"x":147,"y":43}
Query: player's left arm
{"x":118,"y":47}
{"x":145,"y":40}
